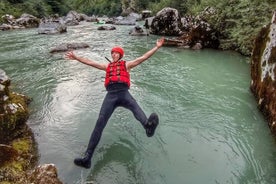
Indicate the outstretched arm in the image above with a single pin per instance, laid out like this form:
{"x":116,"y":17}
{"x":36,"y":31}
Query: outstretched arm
{"x":139,"y":60}
{"x":71,"y":55}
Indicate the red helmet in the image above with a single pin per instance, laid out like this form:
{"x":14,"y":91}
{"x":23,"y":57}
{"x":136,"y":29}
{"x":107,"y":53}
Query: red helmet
{"x":120,"y":50}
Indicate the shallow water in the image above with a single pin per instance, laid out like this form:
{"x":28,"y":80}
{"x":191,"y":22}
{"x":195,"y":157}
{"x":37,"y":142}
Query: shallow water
{"x":210,"y":129}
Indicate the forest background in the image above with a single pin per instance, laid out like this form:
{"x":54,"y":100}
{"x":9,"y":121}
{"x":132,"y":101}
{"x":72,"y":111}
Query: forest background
{"x":237,"y":21}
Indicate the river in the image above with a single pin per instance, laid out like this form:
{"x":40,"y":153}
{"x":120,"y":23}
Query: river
{"x":210,"y":131}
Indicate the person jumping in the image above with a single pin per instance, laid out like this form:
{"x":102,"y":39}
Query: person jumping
{"x":117,"y":83}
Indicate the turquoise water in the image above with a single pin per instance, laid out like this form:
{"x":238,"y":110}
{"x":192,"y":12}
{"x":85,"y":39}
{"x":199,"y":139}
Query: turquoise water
{"x":210,"y":132}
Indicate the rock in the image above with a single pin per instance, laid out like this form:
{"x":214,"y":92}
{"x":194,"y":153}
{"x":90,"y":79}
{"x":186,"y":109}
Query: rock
{"x":172,"y":42}
{"x":196,"y":34}
{"x":190,"y":31}
{"x":13,"y":111}
{"x":5,"y":27}
{"x":88,"y":19}
{"x":4,"y":79}
{"x":72,"y":18}
{"x":138,"y":31}
{"x":204,"y":34}
{"x":197,"y":46}
{"x":106,"y":28}
{"x":110,"y":21}
{"x":146,"y":14}
{"x":129,"y":20}
{"x":28,"y":21}
{"x":46,"y":173}
{"x":69,"y":46}
{"x":18,"y":150}
{"x":7,"y":154}
{"x":148,"y":22}
{"x":263,"y":72}
{"x":25,"y":21}
{"x":166,"y":22}
{"x":52,"y":25}
{"x":9,"y":19}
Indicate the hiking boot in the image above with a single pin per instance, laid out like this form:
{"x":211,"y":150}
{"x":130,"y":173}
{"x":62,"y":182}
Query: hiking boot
{"x":151,"y":124}
{"x":84,"y":162}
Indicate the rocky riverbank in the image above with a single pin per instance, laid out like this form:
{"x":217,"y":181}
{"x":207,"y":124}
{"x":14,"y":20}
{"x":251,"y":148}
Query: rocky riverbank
{"x":18,"y":150}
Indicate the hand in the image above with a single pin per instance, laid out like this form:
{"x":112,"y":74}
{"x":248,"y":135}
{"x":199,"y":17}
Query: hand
{"x":160,"y":42}
{"x":70,"y":55}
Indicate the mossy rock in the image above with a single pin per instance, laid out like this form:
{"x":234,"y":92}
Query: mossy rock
{"x":15,"y":115}
{"x":18,"y":150}
{"x":19,"y":157}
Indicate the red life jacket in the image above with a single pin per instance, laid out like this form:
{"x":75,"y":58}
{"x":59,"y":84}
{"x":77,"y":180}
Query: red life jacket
{"x":116,"y":72}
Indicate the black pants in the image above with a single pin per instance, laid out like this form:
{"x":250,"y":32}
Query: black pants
{"x":112,"y":100}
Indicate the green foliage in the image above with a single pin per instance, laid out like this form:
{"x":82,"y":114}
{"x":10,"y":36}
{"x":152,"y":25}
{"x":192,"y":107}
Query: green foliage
{"x":181,"y":5}
{"x":7,"y":8}
{"x":97,"y":7}
{"x":57,"y":6}
{"x":38,"y":8}
{"x":238,"y":21}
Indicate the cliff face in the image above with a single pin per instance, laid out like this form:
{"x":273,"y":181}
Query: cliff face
{"x":263,"y":72}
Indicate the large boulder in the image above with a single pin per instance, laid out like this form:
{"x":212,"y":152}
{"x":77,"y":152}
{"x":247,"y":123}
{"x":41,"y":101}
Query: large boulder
{"x":72,"y":18}
{"x":166,"y":22}
{"x":263,"y":72}
{"x":52,"y":25}
{"x":196,"y":33}
{"x":51,"y":28}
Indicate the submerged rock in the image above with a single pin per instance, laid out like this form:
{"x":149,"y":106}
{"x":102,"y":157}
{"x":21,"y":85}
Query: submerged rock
{"x":109,"y":28}
{"x":263,"y":72}
{"x":138,"y":31}
{"x":69,"y":46}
